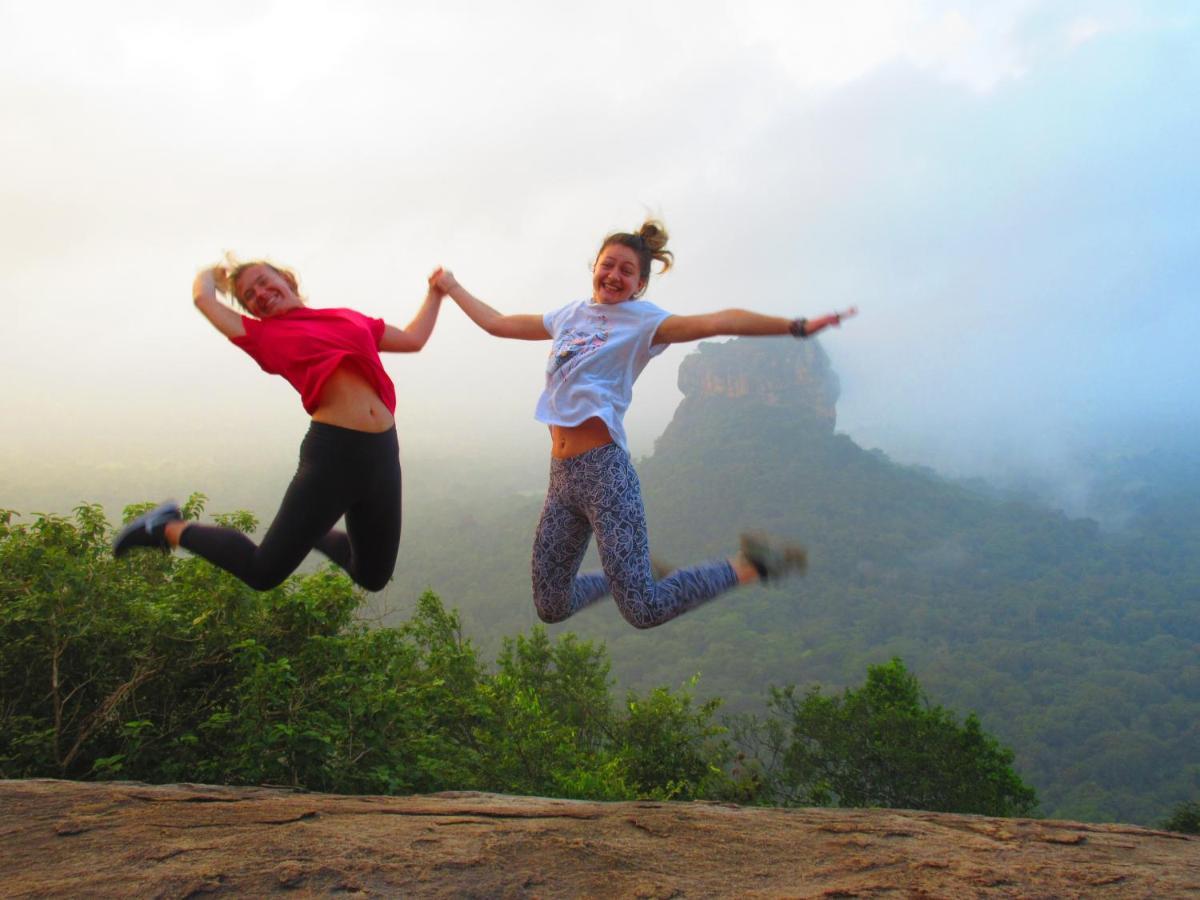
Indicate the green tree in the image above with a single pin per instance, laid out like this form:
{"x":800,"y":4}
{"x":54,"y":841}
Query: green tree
{"x":550,"y":721}
{"x":95,"y":648}
{"x":1184,"y":818}
{"x":885,"y":745}
{"x":674,"y":748}
{"x":571,"y":678}
{"x":163,"y":667}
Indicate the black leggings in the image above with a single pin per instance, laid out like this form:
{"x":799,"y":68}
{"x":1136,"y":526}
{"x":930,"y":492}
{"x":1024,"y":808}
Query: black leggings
{"x":341,"y":472}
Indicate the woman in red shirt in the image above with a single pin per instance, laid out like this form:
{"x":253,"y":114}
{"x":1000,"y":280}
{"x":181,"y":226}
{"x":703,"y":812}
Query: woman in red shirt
{"x":349,"y":460}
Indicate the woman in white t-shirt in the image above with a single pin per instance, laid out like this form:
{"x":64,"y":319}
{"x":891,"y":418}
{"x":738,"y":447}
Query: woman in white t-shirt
{"x":600,"y":347}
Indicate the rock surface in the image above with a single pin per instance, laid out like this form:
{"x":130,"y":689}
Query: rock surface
{"x":783,"y":372}
{"x":70,"y":839}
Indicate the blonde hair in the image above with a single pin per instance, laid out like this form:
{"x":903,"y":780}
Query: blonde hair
{"x":649,"y":243}
{"x":234,"y":268}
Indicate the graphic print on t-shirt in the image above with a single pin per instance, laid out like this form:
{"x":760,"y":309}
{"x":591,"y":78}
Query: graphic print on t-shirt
{"x":571,"y":347}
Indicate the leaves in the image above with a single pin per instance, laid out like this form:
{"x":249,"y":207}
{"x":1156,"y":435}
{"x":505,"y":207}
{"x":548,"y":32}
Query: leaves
{"x":162,"y":668}
{"x":1184,"y":818}
{"x":885,"y":745}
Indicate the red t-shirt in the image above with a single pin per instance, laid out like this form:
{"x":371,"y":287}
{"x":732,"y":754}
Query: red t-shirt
{"x":305,"y":346}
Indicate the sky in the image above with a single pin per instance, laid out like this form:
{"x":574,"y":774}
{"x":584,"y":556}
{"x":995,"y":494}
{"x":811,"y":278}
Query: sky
{"x":1007,"y":190}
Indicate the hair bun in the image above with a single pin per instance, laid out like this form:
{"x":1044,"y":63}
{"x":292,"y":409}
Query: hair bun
{"x":654,"y":235}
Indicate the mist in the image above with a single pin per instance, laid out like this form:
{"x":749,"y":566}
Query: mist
{"x":1007,"y":196}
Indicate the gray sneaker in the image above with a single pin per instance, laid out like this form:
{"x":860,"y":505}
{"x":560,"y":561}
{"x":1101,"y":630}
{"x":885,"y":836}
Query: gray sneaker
{"x":148,"y":529}
{"x":773,"y":559}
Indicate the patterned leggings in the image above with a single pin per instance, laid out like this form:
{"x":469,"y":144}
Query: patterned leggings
{"x":599,"y":491}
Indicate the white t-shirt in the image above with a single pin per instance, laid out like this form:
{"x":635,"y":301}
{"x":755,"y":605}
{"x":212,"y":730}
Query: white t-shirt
{"x":598,"y":352}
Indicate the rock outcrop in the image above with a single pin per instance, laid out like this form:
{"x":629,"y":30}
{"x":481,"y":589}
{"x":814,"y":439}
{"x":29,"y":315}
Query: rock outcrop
{"x":69,"y":839}
{"x":779,"y":372}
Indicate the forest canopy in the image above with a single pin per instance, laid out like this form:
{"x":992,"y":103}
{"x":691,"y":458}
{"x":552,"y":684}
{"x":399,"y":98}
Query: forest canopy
{"x":162,"y":668}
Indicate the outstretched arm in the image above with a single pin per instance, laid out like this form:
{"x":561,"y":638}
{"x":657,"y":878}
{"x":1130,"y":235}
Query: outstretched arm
{"x":413,"y":337}
{"x":518,"y":327}
{"x":204,"y":295}
{"x":741,"y":323}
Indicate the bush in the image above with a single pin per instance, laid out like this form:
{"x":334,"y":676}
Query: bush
{"x":1185,"y":818}
{"x":882,"y":745}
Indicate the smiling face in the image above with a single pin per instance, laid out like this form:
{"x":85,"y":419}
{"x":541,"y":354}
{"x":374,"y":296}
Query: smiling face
{"x":617,"y":275}
{"x":264,"y":291}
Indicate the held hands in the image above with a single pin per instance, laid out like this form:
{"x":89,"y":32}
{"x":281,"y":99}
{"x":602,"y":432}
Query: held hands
{"x":436,"y":291}
{"x":442,"y":280}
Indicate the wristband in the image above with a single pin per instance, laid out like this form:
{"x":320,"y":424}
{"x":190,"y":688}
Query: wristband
{"x":796,"y":329}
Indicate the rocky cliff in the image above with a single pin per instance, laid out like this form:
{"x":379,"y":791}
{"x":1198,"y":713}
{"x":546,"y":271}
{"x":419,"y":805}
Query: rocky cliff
{"x":69,"y":839}
{"x":780,"y":372}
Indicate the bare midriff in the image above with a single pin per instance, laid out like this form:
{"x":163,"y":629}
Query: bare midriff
{"x":349,"y":401}
{"x":571,"y":440}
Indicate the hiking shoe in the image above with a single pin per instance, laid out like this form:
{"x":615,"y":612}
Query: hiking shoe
{"x":148,"y":529}
{"x":771,"y":558}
